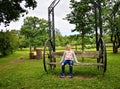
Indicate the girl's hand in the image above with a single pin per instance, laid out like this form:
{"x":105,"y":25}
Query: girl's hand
{"x":77,"y":62}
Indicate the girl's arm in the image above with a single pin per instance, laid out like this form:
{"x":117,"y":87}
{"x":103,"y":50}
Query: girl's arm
{"x":74,"y":56}
{"x":63,"y":57}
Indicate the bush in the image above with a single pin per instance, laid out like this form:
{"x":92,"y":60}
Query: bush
{"x":8,"y":42}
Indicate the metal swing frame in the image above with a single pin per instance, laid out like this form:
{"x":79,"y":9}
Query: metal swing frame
{"x":50,"y":43}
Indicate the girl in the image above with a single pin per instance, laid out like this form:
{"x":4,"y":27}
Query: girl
{"x":68,"y":58}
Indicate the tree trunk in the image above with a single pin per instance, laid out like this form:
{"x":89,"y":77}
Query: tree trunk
{"x":35,"y":48}
{"x":115,"y":48}
{"x":31,"y":54}
{"x":83,"y":45}
{"x":76,"y":47}
{"x":30,"y":49}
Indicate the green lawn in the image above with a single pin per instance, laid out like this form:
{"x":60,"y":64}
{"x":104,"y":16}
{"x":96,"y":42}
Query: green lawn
{"x":19,"y":72}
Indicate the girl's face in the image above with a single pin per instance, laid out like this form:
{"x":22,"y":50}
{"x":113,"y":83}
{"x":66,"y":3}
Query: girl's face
{"x":68,"y":47}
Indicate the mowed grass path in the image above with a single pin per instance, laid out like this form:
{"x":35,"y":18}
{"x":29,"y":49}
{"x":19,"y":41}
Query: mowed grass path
{"x":19,"y":72}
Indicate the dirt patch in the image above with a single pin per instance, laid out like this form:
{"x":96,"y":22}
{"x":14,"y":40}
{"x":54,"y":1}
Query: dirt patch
{"x":84,"y":77}
{"x":22,"y":59}
{"x":77,"y":77}
{"x":18,"y":60}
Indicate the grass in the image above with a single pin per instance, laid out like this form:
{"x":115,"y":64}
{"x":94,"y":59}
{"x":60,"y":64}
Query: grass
{"x":29,"y":74}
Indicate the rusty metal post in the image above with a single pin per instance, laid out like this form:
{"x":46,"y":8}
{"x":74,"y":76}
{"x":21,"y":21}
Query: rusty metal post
{"x":96,"y":24}
{"x":100,"y":17}
{"x":51,"y":23}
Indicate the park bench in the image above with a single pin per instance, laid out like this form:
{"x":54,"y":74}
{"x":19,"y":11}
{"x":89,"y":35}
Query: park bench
{"x":79,"y":54}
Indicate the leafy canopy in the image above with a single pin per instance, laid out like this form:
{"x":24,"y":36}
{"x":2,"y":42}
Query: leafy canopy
{"x":11,"y":10}
{"x":81,"y":15}
{"x":35,"y":30}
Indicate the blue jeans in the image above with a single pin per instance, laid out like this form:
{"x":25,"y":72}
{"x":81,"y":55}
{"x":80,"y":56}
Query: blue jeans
{"x":70,"y":63}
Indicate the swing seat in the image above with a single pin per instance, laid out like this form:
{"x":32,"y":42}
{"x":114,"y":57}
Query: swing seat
{"x":78,"y":64}
{"x":79,"y":54}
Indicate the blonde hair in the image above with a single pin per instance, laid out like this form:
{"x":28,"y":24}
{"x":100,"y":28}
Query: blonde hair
{"x":68,"y":46}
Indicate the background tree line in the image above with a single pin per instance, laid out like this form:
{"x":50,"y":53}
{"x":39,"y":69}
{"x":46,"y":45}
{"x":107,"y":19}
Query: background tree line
{"x":82,"y":15}
{"x":34,"y":31}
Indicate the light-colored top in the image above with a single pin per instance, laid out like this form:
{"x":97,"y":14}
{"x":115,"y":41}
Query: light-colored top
{"x":69,"y":55}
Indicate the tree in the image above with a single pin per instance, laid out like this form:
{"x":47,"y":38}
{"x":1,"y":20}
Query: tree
{"x":35,"y":31}
{"x":22,"y":43}
{"x":82,"y":16}
{"x":113,"y":20}
{"x":8,"y":42}
{"x":57,"y":32}
{"x":11,"y":10}
{"x":115,"y":36}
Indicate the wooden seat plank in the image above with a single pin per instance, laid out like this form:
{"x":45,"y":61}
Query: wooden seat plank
{"x":78,"y":64}
{"x":85,"y":54}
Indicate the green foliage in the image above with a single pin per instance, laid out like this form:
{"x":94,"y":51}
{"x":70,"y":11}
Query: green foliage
{"x":82,"y":16}
{"x":114,"y":25}
{"x":34,"y":30}
{"x":8,"y":42}
{"x":57,"y":32}
{"x":74,"y":40}
{"x":11,"y":10}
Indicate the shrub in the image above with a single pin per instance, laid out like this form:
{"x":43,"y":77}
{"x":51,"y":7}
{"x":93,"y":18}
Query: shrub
{"x":8,"y":42}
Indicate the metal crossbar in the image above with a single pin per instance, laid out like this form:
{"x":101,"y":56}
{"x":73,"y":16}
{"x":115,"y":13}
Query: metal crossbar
{"x":53,"y":4}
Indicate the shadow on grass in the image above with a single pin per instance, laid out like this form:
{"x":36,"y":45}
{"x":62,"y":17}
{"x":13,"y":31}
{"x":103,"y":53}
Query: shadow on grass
{"x":82,"y":73}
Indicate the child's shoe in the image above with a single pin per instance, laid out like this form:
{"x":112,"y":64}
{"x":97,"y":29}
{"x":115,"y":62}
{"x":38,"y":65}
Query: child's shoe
{"x":71,"y":75}
{"x":62,"y":75}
